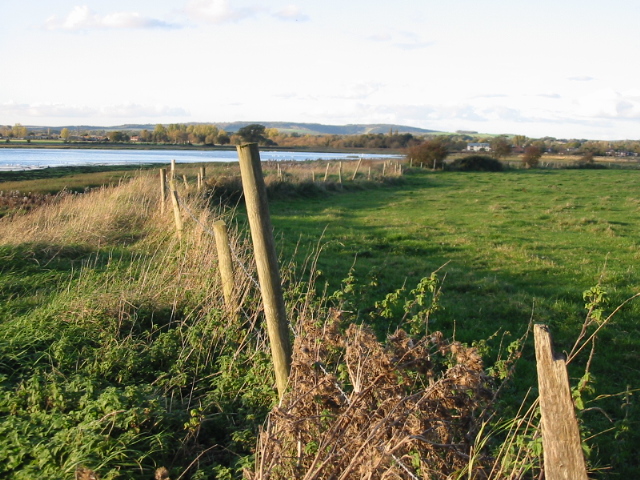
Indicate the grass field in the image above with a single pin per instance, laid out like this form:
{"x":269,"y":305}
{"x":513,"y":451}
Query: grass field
{"x":512,"y":247}
{"x":117,"y":352}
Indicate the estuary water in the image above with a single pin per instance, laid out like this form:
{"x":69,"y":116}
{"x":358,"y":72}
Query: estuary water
{"x":33,"y":158}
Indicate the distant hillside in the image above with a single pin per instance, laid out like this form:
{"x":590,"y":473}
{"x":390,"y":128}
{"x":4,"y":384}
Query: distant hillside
{"x":286,"y":127}
{"x":320,"y":129}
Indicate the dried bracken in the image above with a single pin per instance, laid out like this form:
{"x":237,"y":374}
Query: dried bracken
{"x":358,"y":408}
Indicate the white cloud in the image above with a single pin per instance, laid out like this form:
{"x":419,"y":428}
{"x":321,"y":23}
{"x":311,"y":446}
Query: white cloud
{"x":83,"y":18}
{"x":611,"y":104}
{"x":125,"y":112}
{"x":582,"y":78}
{"x":403,"y":40}
{"x":217,"y":11}
{"x":291,"y":13}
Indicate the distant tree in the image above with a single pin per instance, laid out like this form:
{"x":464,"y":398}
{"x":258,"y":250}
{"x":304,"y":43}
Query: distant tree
{"x":586,"y":159}
{"x":145,"y":136}
{"x":160,"y":134}
{"x":19,"y":131}
{"x":223,"y":138}
{"x":253,"y":133}
{"x":65,"y":134}
{"x":177,"y":133}
{"x":431,"y":152}
{"x":500,"y":147}
{"x":531,"y":156}
{"x":118,"y":136}
{"x":519,"y":140}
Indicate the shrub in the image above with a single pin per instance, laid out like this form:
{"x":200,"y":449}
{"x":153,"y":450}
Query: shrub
{"x":476,"y":163}
{"x":531,"y":156}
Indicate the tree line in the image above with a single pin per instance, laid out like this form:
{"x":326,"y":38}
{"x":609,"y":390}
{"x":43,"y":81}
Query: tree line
{"x":210,"y":134}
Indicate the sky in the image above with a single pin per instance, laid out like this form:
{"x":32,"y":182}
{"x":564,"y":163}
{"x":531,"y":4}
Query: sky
{"x":559,"y":68}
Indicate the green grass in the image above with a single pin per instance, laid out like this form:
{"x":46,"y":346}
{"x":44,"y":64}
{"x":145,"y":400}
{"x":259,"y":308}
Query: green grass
{"x":54,"y":180}
{"x":116,"y":352}
{"x":513,"y":246}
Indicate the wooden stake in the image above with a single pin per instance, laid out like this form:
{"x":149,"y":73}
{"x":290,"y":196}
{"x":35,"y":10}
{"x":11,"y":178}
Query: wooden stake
{"x":563,"y":458}
{"x":255,"y":194}
{"x":163,"y":189}
{"x":355,"y":172}
{"x":326,"y":173}
{"x":186,"y":182}
{"x":225,"y":262}
{"x":176,"y":208}
{"x":340,"y":173}
{"x":173,"y":168}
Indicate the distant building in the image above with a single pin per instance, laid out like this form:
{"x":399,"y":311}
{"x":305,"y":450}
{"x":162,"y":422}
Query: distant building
{"x":478,"y":147}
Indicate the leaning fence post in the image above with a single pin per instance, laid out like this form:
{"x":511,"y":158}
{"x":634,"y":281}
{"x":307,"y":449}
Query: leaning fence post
{"x":326,"y":173}
{"x":255,"y":194}
{"x":163,"y":189}
{"x":562,"y":450}
{"x":225,"y":262}
{"x":355,"y":172}
{"x":176,"y":208}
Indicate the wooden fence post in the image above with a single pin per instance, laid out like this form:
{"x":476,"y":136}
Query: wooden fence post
{"x":173,"y":168}
{"x":326,"y":173}
{"x":176,"y":208}
{"x":562,"y":450}
{"x":340,"y":173}
{"x":255,"y":194}
{"x":163,"y":189}
{"x":225,"y":262}
{"x":355,"y":172}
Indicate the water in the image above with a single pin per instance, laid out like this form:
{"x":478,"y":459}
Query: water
{"x":32,"y":158}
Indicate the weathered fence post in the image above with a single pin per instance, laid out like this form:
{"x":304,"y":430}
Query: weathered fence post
{"x":173,"y":168}
{"x":326,"y":173}
{"x":562,"y":450}
{"x":176,"y":208}
{"x":163,"y":189}
{"x":355,"y":172}
{"x":255,"y":194}
{"x":340,"y":173}
{"x":384,"y":167}
{"x":225,"y":262}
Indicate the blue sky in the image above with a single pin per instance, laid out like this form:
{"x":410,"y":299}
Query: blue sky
{"x":560,"y":68}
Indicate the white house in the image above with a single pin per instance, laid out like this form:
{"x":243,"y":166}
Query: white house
{"x":479,"y":147}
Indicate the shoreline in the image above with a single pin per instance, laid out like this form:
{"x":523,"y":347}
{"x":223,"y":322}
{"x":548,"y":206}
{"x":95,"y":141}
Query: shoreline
{"x":203,"y":148}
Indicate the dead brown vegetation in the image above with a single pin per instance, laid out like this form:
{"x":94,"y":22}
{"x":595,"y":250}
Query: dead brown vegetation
{"x":358,"y":408}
